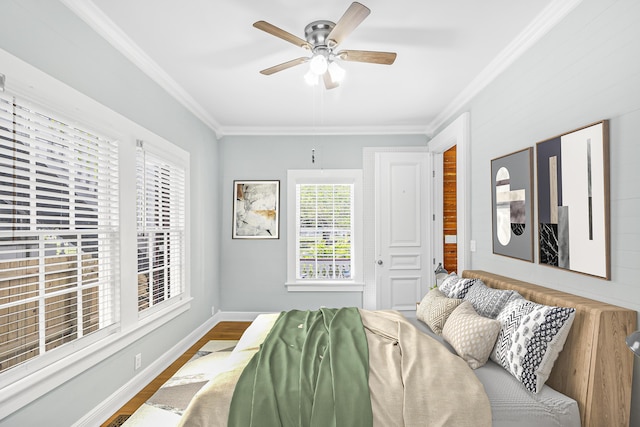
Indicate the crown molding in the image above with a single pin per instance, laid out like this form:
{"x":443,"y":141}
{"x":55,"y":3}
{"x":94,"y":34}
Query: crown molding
{"x":324,"y":130}
{"x":545,"y":21}
{"x":550,"y":16}
{"x":100,"y":23}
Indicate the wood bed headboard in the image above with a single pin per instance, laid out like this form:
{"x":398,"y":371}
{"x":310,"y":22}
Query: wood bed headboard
{"x":595,"y":366}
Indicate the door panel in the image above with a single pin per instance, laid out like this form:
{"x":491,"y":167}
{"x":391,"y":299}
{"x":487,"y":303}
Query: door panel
{"x":402,"y":247}
{"x":405,"y":291}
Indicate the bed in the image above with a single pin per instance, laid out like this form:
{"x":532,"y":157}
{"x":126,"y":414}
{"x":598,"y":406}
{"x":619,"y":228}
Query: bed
{"x":590,"y":384}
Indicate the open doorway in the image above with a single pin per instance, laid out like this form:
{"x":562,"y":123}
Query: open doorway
{"x":451,"y":234}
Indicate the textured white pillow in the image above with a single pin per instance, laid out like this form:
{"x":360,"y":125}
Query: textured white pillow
{"x":531,"y":338}
{"x":435,"y":308}
{"x":471,"y":335}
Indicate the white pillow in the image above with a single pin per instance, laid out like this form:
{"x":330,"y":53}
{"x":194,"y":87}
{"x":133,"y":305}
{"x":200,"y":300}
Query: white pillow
{"x":531,"y":338}
{"x":471,"y":335}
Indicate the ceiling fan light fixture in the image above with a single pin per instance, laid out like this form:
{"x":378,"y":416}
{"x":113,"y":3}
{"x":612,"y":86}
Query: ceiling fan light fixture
{"x":337,"y":72}
{"x":318,"y":64}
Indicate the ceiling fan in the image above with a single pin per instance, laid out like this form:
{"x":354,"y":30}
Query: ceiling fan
{"x":322,"y":38}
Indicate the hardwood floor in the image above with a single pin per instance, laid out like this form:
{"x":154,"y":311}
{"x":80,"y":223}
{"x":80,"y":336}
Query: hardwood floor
{"x":221,"y":331}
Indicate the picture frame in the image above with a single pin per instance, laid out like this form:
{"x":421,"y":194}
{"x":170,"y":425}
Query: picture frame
{"x":512,"y":205}
{"x":256,"y":209}
{"x":573,"y":201}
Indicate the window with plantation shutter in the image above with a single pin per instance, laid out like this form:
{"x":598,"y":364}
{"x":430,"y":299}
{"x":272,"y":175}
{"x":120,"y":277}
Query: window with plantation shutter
{"x":59,"y":237}
{"x":70,"y":256}
{"x":160,"y":229}
{"x":324,"y":229}
{"x":324,"y":214}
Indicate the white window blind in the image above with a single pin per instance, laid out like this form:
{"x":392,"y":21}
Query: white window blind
{"x":324,"y":231}
{"x":160,"y":229}
{"x":59,"y":238}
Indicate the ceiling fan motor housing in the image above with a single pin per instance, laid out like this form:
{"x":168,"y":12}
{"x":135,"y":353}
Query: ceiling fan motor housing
{"x":316,"y":34}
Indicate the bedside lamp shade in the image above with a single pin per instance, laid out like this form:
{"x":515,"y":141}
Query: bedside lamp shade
{"x":440,"y":271}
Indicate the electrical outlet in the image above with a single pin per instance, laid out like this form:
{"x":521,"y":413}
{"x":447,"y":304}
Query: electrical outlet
{"x":137,"y":361}
{"x":213,"y":310}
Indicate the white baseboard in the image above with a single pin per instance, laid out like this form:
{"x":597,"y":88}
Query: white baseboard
{"x":239,"y":316}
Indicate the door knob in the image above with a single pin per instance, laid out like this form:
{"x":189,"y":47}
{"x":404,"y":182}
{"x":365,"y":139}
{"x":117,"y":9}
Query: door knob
{"x":379,"y":262}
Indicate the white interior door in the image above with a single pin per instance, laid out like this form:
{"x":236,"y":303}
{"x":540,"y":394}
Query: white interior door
{"x":402,"y":228}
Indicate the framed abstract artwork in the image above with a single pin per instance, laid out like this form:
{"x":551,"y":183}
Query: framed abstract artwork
{"x":512,"y":205}
{"x":256,"y":209}
{"x":573,"y":200}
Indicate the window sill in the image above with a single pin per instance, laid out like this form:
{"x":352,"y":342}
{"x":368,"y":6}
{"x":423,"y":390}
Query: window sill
{"x":324,"y":287}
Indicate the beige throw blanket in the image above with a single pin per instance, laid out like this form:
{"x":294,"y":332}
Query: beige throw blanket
{"x":413,"y":379}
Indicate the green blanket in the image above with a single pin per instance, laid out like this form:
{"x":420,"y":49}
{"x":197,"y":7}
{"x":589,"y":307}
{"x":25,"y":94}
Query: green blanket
{"x":312,"y":370}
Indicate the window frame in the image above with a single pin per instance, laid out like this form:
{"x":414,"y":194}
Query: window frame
{"x":29,"y":381}
{"x":177,"y":167}
{"x":40,"y":130}
{"x":325,"y":176}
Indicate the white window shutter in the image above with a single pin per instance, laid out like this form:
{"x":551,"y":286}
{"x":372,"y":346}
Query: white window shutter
{"x":59,"y":238}
{"x":161,"y":187}
{"x":324,"y":231}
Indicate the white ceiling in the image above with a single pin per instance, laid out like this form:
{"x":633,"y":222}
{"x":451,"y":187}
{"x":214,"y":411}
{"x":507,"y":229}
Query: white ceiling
{"x":207,"y":54}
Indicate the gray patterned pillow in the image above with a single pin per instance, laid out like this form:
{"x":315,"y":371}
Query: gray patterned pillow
{"x":461,"y":287}
{"x":487,"y":301}
{"x":435,"y":308}
{"x":448,"y":282}
{"x":530,"y":339}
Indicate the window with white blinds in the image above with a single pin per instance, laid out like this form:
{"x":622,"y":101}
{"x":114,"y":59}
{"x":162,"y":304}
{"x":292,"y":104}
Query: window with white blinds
{"x":324,"y":229}
{"x":59,"y":232}
{"x":161,"y":231}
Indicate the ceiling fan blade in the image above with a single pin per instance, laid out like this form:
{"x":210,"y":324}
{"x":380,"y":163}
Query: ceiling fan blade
{"x":328,"y":81}
{"x":284,"y":66}
{"x":386,"y":58}
{"x":279,"y":32}
{"x":355,"y":14}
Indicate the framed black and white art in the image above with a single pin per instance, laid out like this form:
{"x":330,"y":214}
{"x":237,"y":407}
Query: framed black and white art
{"x":256,"y":209}
{"x":573,"y":200}
{"x":512,"y":205}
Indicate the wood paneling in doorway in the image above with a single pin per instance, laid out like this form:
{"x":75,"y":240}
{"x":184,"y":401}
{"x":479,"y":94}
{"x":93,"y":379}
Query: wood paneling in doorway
{"x":450,"y":208}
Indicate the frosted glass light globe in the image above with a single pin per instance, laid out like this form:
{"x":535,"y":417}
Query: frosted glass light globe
{"x":318,"y":64}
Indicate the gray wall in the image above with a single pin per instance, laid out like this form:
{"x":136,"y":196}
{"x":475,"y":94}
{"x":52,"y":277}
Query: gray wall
{"x":584,"y":70}
{"x":47,"y":35}
{"x":253,"y":272}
